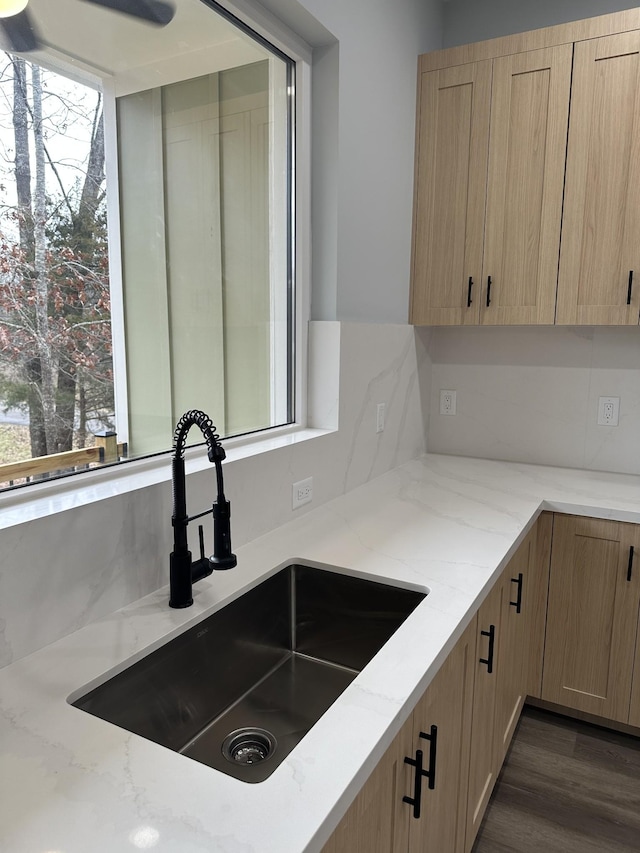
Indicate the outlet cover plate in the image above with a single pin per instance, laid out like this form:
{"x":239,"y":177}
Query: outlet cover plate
{"x":447,"y":402}
{"x":608,"y":411}
{"x":301,"y":493}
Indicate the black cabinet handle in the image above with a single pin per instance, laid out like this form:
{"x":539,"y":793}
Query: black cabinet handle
{"x":629,"y":289}
{"x":432,"y":737}
{"x":469,"y":299}
{"x":491,"y":634}
{"x":518,"y":602}
{"x":417,"y":783}
{"x":488,"y":290}
{"x":630,"y":566}
{"x":430,"y":774}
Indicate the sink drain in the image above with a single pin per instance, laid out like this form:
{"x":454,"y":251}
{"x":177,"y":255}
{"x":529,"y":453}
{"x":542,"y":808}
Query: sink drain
{"x":248,"y":746}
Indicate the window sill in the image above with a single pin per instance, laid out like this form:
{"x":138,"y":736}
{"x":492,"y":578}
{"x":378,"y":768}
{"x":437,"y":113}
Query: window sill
{"x":42,"y":499}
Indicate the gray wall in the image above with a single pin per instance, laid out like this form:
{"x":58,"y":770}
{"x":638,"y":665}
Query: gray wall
{"x":474,"y":20}
{"x":363,"y":149}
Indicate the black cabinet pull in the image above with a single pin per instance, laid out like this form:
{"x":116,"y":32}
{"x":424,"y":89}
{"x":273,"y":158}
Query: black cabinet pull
{"x":430,"y":774}
{"x":488,"y":290}
{"x":518,"y":602}
{"x":432,"y":737}
{"x":417,"y":783}
{"x":630,"y":566}
{"x":469,"y":299}
{"x":629,"y":289}
{"x":491,"y":634}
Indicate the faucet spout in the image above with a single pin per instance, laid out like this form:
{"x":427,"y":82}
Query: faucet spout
{"x":183,"y":571}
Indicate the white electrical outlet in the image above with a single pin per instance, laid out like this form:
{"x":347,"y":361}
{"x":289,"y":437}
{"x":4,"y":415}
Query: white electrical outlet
{"x":447,"y":402}
{"x":380,"y":417}
{"x":302,"y":493}
{"x":608,"y":411}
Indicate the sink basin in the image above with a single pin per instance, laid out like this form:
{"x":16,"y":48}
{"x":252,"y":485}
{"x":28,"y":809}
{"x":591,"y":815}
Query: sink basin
{"x":241,"y":688}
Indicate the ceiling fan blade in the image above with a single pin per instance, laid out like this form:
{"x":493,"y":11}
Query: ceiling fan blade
{"x":20,"y":32}
{"x":154,"y":11}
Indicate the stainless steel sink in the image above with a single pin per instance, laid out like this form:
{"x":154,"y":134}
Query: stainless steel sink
{"x":240,"y":689}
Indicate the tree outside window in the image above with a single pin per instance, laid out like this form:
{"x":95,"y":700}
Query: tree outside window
{"x":55,"y":330}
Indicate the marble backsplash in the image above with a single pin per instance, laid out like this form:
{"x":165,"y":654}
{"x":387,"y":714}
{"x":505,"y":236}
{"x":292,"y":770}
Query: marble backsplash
{"x":64,"y":570}
{"x":526,"y":394}
{"x":530,"y":394}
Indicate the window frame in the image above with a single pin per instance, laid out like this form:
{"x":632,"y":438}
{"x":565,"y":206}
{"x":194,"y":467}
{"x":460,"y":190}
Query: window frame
{"x":66,"y":491}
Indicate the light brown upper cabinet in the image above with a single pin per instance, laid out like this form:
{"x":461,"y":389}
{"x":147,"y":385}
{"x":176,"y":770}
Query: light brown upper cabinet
{"x":527,"y":145}
{"x":527,"y":185}
{"x":451,"y":165}
{"x":599,"y":277}
{"x":490,"y":164}
{"x":592,"y":618}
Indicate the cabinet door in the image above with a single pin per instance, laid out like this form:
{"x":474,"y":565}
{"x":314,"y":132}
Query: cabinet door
{"x":444,"y":716}
{"x":512,"y":677}
{"x":383,"y":818}
{"x":536,"y":596}
{"x":527,"y":149}
{"x":376,"y":821}
{"x":482,"y":765}
{"x":600,"y":257}
{"x":592,"y":617}
{"x":634,"y":712}
{"x":451,"y":173}
{"x":524,"y":604}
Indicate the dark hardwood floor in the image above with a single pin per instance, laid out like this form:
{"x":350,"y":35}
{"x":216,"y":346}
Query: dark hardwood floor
{"x":566,"y":787}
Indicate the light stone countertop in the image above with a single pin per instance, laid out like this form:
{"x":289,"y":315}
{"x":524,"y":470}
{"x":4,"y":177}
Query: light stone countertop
{"x":70,"y":782}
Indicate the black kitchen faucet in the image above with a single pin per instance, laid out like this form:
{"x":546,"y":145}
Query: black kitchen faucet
{"x":183,"y":572}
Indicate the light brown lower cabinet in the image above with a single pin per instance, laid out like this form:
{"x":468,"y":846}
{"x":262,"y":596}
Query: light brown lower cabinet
{"x":414,"y":799}
{"x":592,"y":620}
{"x":370,"y":824}
{"x":508,"y":664}
{"x":522,"y":625}
{"x":562,"y":624}
{"x":482,"y":764}
{"x":441,"y":731}
{"x":634,"y":710}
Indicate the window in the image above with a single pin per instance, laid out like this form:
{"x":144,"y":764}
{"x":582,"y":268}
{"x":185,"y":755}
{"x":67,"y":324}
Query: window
{"x":189,"y":302}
